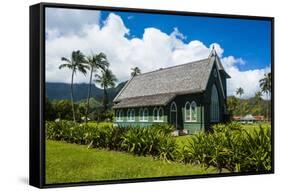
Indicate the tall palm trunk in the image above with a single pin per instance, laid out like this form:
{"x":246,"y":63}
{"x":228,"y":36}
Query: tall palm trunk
{"x":89,"y":94}
{"x":105,"y":99}
{"x":72,"y":100}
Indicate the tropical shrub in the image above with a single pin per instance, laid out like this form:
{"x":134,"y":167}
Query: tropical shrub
{"x":258,"y":150}
{"x":155,"y":140}
{"x":97,"y":135}
{"x":231,"y":147}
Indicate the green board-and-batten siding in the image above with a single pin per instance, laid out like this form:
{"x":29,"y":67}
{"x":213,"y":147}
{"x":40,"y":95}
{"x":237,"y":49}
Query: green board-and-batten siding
{"x":137,"y":122}
{"x":192,"y":127}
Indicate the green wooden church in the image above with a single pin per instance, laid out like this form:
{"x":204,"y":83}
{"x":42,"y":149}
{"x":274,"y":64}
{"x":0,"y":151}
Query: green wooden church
{"x":191,"y":96}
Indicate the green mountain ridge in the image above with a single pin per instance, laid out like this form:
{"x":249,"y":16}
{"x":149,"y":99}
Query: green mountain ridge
{"x":59,"y":91}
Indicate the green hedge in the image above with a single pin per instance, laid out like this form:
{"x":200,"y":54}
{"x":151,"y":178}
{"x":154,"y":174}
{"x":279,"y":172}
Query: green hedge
{"x":156,"y":140}
{"x":231,"y":147}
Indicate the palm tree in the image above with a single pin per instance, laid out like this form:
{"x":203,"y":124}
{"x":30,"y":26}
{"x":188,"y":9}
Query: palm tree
{"x":258,"y":99}
{"x":258,"y":95}
{"x":265,"y":84}
{"x":106,"y":79}
{"x":240,"y":92}
{"x":75,"y":63}
{"x":95,"y":62}
{"x":135,"y":71}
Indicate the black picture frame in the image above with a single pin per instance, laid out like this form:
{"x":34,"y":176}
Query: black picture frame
{"x":37,"y":92}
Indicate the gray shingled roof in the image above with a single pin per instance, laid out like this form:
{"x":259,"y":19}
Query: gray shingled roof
{"x":160,"y":86}
{"x":156,"y":100}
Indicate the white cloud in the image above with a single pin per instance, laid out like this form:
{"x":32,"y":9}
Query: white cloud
{"x":63,"y":21}
{"x":154,"y":50}
{"x":231,"y":61}
{"x":248,"y":80}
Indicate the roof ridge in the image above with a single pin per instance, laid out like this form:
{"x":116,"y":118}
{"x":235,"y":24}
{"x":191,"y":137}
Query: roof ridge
{"x":172,"y":93}
{"x":170,"y":67}
{"x":160,"y":94}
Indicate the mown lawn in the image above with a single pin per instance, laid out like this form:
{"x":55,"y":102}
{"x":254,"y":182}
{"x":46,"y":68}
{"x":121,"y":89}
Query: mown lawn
{"x":75,"y":163}
{"x":255,"y":126}
{"x":99,"y":123}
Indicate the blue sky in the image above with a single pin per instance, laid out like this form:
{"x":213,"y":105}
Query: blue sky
{"x":247,"y":39}
{"x":153,"y":41}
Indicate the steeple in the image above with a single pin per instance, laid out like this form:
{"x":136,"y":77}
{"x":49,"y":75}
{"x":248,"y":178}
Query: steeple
{"x":213,"y":52}
{"x":214,"y":56}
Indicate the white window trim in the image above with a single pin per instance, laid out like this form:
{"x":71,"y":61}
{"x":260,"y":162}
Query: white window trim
{"x":155,"y":109}
{"x":131,"y":118}
{"x":173,"y":103}
{"x":142,"y":116}
{"x":158,"y":116}
{"x":185,"y":112}
{"x":190,"y":111}
{"x":128,"y":114}
{"x":119,"y":117}
{"x":175,"y":110}
{"x":193,"y":102}
{"x":158,"y":112}
{"x":147,"y":116}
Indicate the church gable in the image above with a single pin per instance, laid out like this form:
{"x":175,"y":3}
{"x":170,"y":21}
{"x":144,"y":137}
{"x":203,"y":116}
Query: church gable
{"x":190,"y":96}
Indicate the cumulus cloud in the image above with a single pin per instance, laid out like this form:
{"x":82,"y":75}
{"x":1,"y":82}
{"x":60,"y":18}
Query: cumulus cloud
{"x":248,"y":80}
{"x":155,"y":49}
{"x":62,"y":21}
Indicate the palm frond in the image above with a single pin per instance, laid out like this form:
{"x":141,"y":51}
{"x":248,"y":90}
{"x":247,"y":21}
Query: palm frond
{"x":66,"y":66}
{"x":65,"y":59}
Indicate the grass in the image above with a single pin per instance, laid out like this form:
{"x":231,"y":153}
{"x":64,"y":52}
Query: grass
{"x":255,"y":126}
{"x":94,"y":123}
{"x":75,"y":163}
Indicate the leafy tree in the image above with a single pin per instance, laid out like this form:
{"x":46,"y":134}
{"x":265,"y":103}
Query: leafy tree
{"x":240,"y":92}
{"x":265,"y":84}
{"x":63,"y":109}
{"x":80,"y":112}
{"x":232,"y":103}
{"x":258,"y":95}
{"x":75,"y":63}
{"x":106,"y":80}
{"x":255,"y":104}
{"x":135,"y":71}
{"x":95,"y":62}
{"x":50,"y":113}
{"x":100,"y":115}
